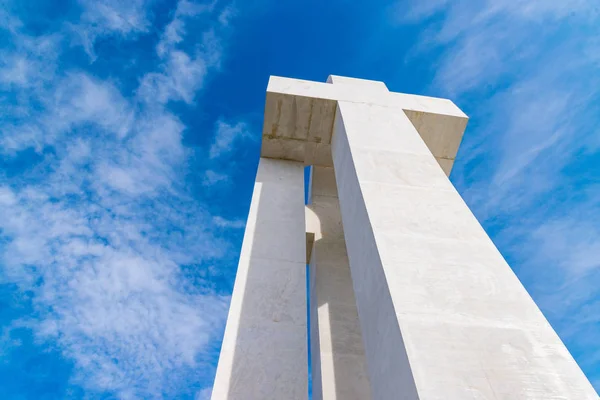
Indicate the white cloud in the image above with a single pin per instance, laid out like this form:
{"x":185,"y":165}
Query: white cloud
{"x":30,"y":61}
{"x":103,"y":231}
{"x":511,"y":53}
{"x":15,"y":138}
{"x":146,"y":161}
{"x":226,"y":136}
{"x":484,"y":40}
{"x":7,"y":197}
{"x":76,"y":100}
{"x":112,"y":295}
{"x":83,"y":99}
{"x":522,"y":167}
{"x":107,"y":230}
{"x":227,"y":14}
{"x":227,"y":223}
{"x":181,"y":77}
{"x":212,"y":178}
{"x":183,"y":72}
{"x":15,"y":70}
{"x":110,"y":17}
{"x":175,"y":31}
{"x":116,"y":16}
{"x":572,"y":242}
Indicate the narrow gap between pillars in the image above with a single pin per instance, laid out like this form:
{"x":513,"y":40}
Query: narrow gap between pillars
{"x":307,"y":181}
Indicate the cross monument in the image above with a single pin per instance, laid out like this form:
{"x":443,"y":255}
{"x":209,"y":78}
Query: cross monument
{"x":408,"y":297}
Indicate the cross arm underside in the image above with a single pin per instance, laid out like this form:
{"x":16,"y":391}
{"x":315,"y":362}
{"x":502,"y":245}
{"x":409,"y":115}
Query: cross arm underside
{"x":299,"y":118}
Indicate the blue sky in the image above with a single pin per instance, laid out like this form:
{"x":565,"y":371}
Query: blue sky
{"x":129,"y":139}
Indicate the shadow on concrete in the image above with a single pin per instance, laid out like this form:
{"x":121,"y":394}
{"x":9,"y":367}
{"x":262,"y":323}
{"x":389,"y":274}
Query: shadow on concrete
{"x":336,"y":340}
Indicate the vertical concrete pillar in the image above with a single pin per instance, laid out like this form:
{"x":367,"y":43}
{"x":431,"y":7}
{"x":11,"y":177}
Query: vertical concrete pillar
{"x":442,"y":314}
{"x":264,"y":351}
{"x":338,"y":360}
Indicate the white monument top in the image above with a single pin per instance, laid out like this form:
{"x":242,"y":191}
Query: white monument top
{"x":299,"y":117}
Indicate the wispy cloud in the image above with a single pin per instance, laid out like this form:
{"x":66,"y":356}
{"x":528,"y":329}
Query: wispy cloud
{"x":227,"y":14}
{"x":526,"y":72}
{"x":181,"y":76}
{"x":226,"y":136}
{"x":227,"y":223}
{"x":229,"y":138}
{"x":110,"y":17}
{"x":182,"y":73}
{"x":102,"y":228}
{"x":212,"y":178}
{"x":175,"y":31}
{"x":27,"y":64}
{"x":536,"y":108}
{"x":113,"y":295}
{"x":75,"y":99}
{"x":485,"y":40}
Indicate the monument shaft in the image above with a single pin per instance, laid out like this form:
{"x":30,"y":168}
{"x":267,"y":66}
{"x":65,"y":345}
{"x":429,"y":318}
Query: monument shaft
{"x":264,"y":352}
{"x":410,"y":299}
{"x":443,"y":316}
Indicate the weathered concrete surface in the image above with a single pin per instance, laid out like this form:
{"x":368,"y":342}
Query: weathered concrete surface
{"x":264,"y":352}
{"x":338,"y":359}
{"x":299,"y":118}
{"x":442,"y":314}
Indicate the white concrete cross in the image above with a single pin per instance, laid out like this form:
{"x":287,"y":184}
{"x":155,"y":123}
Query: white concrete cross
{"x":299,"y":117}
{"x":409,"y":298}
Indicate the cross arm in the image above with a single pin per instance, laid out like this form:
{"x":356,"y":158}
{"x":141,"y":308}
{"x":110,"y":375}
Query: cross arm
{"x":299,"y":117}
